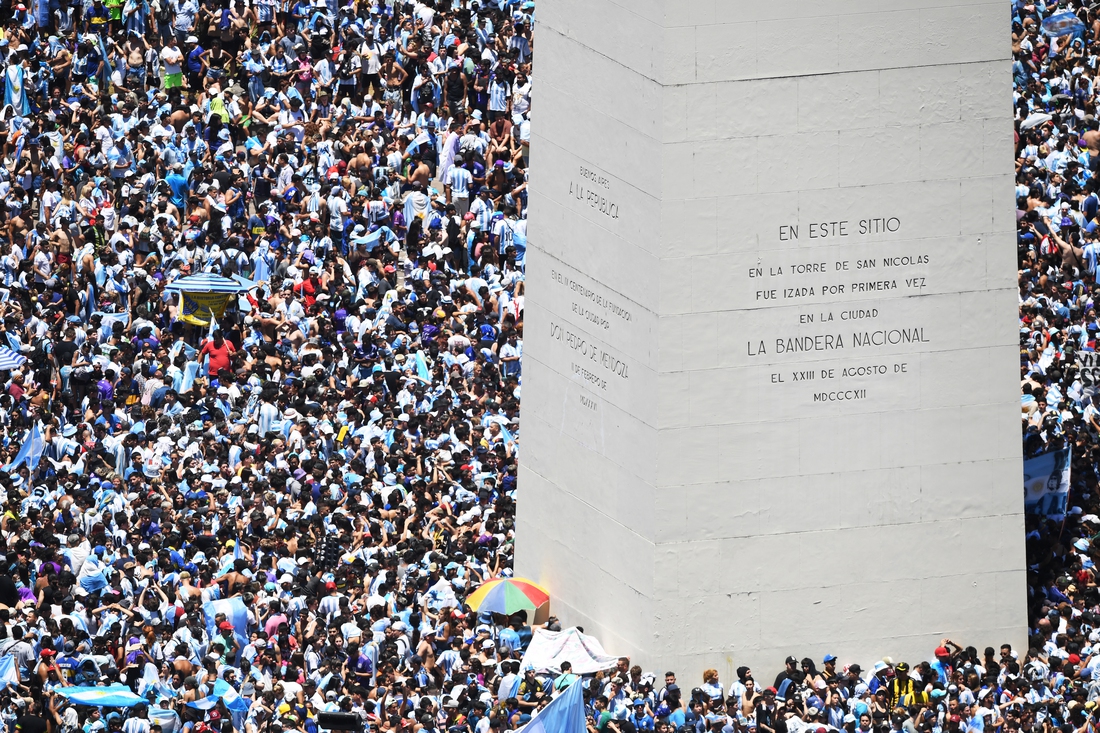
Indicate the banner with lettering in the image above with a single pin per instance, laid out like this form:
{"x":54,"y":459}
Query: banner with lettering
{"x":196,"y":308}
{"x":1046,"y":483}
{"x":1088,"y":365}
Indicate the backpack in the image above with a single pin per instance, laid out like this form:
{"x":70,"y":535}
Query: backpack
{"x":425,"y":93}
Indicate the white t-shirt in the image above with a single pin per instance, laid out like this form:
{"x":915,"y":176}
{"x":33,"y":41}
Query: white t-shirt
{"x":42,"y":262}
{"x":290,"y":690}
{"x":173,"y":60}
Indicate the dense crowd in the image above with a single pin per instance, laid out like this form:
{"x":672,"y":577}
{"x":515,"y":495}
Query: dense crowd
{"x":336,"y":448}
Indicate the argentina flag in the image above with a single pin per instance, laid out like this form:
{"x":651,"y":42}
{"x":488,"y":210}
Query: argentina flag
{"x":1064,"y":23}
{"x":9,"y":671}
{"x":30,"y":452}
{"x":564,"y":714}
{"x":235,"y":612}
{"x":237,"y":705}
{"x":168,"y":720}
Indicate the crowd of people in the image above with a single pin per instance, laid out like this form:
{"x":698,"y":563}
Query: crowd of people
{"x":336,"y":448}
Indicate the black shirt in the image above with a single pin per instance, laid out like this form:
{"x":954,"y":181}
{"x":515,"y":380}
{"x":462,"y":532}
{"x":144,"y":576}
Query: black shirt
{"x":9,"y":596}
{"x":63,"y":352}
{"x":30,"y":724}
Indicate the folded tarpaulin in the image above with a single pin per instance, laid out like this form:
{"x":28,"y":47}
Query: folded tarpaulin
{"x":113,"y":696}
{"x":548,"y":649}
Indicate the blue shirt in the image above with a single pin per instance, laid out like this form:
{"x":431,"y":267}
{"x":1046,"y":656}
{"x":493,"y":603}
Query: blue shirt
{"x":178,"y":183}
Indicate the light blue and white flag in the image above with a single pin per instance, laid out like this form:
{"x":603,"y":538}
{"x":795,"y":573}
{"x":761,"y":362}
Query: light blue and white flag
{"x":564,"y":714}
{"x":113,"y":696}
{"x":9,"y":671}
{"x":30,"y":452}
{"x":168,"y":720}
{"x":239,"y":552}
{"x":235,"y":612}
{"x":422,"y":367}
{"x":10,"y":360}
{"x":223,"y":691}
{"x":1064,"y":23}
{"x":190,"y":371}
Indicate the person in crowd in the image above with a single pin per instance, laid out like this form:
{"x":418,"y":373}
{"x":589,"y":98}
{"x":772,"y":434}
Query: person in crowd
{"x":262,"y":302}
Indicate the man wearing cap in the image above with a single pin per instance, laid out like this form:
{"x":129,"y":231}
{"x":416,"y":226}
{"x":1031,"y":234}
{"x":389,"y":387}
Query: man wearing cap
{"x":769,"y":719}
{"x":310,"y":287}
{"x":902,"y":690}
{"x":942,"y":663}
{"x":227,"y":639}
{"x":791,"y":675}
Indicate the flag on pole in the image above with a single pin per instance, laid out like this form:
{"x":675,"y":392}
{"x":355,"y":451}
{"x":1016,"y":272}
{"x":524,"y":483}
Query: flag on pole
{"x":30,"y":452}
{"x":564,"y":714}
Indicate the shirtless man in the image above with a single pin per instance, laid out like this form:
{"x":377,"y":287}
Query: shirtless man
{"x":60,"y":62}
{"x":360,"y":163}
{"x":267,"y":324}
{"x":419,"y":172}
{"x":63,"y":243}
{"x":135,"y":48}
{"x":180,"y":117}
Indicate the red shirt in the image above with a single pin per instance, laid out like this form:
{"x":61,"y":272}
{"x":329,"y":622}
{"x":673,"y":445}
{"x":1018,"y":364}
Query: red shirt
{"x":219,"y":356}
{"x":308,"y":290}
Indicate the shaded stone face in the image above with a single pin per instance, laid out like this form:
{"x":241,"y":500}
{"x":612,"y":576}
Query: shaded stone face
{"x":770,"y":326}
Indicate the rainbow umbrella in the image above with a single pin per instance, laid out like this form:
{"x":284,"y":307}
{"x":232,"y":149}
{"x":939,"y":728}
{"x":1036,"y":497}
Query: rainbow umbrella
{"x":507,"y":596}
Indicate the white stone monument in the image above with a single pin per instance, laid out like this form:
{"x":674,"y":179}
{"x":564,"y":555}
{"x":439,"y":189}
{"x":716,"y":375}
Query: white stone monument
{"x":770,"y":381}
